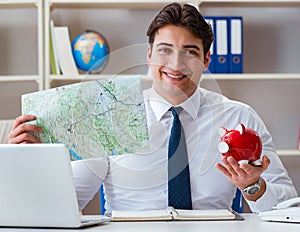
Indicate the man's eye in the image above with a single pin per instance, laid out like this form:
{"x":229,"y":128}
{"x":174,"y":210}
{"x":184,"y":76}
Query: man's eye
{"x":191,"y":53}
{"x":164,"y":50}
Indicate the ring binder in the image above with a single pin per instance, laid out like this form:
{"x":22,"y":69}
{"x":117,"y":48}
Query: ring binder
{"x":235,"y":32}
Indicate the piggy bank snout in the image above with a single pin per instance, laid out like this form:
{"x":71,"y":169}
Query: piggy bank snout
{"x":223,"y":147}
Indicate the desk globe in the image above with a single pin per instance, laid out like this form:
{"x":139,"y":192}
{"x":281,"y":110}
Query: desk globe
{"x":90,"y":50}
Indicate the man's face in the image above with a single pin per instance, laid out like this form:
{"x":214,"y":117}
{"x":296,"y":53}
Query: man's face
{"x":176,"y":61}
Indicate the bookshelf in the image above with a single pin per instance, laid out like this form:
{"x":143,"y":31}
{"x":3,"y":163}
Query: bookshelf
{"x":133,"y":10}
{"x":21,"y":59}
{"x":271,"y":79}
{"x":271,"y":74}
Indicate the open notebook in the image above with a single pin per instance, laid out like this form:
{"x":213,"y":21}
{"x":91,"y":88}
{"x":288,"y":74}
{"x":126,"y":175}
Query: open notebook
{"x":37,"y":188}
{"x":172,"y":214}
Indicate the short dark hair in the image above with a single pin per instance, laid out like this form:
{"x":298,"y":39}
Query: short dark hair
{"x":186,"y":16}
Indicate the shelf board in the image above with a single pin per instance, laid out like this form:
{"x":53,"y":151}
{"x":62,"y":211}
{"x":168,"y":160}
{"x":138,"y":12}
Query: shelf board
{"x":249,"y":2}
{"x":12,"y":78}
{"x":19,"y":3}
{"x":130,"y":4}
{"x":252,"y":76}
{"x":83,"y":77}
{"x":288,"y":152}
{"x":244,"y":76}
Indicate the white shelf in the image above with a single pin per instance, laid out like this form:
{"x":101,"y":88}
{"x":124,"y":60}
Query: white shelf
{"x":244,"y":76}
{"x":130,"y":4}
{"x":250,"y":2}
{"x":51,"y":5}
{"x":268,"y":81}
{"x":37,"y":6}
{"x":10,"y":78}
{"x":22,"y":56}
{"x":254,"y":76}
{"x":19,"y":3}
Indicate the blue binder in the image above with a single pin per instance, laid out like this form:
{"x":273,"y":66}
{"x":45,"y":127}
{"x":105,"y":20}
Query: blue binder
{"x":221,"y":33}
{"x":235,"y":32}
{"x":211,"y":68}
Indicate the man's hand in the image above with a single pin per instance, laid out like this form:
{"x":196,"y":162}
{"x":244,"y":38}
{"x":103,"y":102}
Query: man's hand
{"x":244,"y":175}
{"x":20,"y":131}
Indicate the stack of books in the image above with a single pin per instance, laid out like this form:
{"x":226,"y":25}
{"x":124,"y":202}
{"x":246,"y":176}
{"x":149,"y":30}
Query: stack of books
{"x":61,"y":56}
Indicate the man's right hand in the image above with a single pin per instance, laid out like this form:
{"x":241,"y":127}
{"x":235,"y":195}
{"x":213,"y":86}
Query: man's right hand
{"x":20,"y":130}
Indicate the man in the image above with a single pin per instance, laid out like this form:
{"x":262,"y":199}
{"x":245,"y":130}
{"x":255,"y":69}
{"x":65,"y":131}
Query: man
{"x":178,"y":53}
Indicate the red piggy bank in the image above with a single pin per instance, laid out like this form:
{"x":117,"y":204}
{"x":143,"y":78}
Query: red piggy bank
{"x":243,"y":144}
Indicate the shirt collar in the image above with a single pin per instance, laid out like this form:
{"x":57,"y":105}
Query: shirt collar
{"x":160,"y":106}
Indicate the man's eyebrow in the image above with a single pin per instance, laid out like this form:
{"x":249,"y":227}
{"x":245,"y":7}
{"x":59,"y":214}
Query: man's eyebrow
{"x":185,"y":46}
{"x":192,"y":46}
{"x":164,"y":44}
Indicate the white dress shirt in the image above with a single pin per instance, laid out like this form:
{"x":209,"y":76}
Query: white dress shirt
{"x":140,"y":182}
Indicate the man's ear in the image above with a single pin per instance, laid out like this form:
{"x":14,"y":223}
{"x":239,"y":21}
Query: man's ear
{"x":206,"y":60}
{"x":149,"y":53}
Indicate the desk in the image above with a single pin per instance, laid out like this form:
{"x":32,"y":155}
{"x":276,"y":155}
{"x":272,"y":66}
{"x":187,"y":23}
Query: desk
{"x":252,"y":223}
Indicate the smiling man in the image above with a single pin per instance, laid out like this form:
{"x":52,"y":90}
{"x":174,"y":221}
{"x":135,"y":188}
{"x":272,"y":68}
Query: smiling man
{"x":178,"y":53}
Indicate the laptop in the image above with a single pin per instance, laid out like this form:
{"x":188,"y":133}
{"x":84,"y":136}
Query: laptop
{"x":291,"y":214}
{"x":37,"y":188}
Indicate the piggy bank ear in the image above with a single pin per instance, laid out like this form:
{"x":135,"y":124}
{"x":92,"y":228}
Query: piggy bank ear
{"x":240,"y":128}
{"x":221,"y":131}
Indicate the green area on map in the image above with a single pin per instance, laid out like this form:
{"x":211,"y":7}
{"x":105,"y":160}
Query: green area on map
{"x":94,"y":118}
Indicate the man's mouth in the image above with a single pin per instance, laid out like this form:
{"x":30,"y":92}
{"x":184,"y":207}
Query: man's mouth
{"x":174,"y":76}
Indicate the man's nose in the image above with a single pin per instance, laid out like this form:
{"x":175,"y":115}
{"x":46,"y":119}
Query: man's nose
{"x":177,"y":61}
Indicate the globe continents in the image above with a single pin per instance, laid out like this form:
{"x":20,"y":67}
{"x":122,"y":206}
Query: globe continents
{"x":90,"y":50}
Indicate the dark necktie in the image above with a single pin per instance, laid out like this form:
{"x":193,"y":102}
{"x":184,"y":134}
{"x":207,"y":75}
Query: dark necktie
{"x":179,"y":191}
